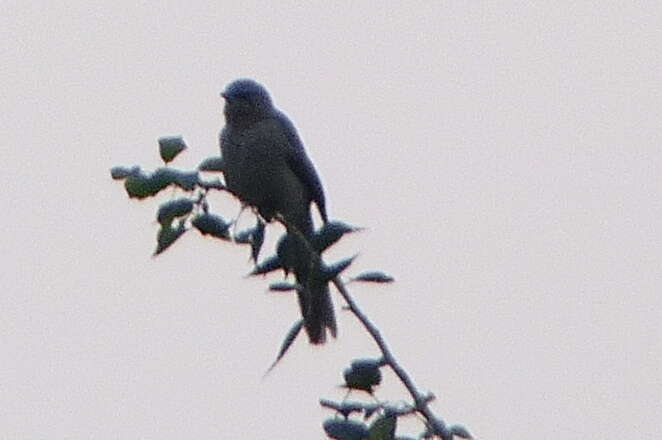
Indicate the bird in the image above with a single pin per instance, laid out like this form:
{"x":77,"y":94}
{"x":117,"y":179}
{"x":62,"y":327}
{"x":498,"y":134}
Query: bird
{"x":266,"y":167}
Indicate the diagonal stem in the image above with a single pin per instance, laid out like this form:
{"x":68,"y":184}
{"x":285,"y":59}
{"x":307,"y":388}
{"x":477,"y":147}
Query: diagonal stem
{"x":436,"y":424}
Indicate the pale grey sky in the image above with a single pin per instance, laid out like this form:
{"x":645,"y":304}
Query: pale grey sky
{"x":504,"y":156}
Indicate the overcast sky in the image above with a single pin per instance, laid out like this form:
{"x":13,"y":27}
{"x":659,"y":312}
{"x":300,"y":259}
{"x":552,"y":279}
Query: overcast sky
{"x":505,"y":158}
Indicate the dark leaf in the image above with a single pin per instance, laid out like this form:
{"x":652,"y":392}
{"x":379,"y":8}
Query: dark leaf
{"x":347,"y":408}
{"x":344,"y":429}
{"x":212,"y":164}
{"x":383,"y":428}
{"x":363,"y":374}
{"x":330,"y":272}
{"x":140,"y":186}
{"x":172,"y":209}
{"x":167,"y":236}
{"x":119,"y":173}
{"x":187,"y":181}
{"x":374,"y":277}
{"x":330,"y":233}
{"x":170,"y":147}
{"x":460,"y":431}
{"x":367,"y":363}
{"x":163,"y":177}
{"x":213,"y":225}
{"x":268,"y":265}
{"x":292,"y":251}
{"x":257,"y":239}
{"x":211,"y":184}
{"x":283,"y":286}
{"x":289,"y":339}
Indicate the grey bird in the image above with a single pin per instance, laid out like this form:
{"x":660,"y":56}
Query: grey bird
{"x":266,"y":167}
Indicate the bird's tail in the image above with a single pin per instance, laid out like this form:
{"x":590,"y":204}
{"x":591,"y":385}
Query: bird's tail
{"x":316,"y":308}
{"x":313,"y":288}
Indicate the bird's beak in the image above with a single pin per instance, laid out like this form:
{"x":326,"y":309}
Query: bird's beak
{"x":223,"y":95}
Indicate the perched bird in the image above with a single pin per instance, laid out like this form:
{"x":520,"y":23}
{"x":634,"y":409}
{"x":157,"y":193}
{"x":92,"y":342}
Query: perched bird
{"x":266,"y":167}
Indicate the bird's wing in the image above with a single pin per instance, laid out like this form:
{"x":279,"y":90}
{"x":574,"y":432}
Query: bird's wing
{"x":302,"y":166}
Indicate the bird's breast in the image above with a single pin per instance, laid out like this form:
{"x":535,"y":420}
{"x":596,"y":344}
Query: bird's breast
{"x":255,"y":166}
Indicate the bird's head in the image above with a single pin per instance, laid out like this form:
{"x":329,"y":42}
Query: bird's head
{"x":246,"y":100}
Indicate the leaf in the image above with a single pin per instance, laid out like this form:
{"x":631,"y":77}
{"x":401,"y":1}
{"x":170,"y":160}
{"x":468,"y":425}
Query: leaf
{"x":367,"y":363}
{"x":330,"y":272}
{"x":172,"y":209}
{"x":163,"y":177}
{"x":383,"y":428}
{"x":211,"y":184}
{"x":268,"y":265}
{"x":170,"y":147}
{"x":460,"y":431}
{"x":289,"y":339}
{"x":186,"y":181}
{"x":211,"y":224}
{"x":257,"y":239}
{"x":344,"y":429}
{"x":363,"y":374}
{"x":145,"y":185}
{"x":330,"y":233}
{"x":374,"y":277}
{"x":119,"y":173}
{"x":167,"y":236}
{"x":292,"y":251}
{"x":283,"y":286}
{"x":212,"y":164}
{"x":140,"y":186}
{"x":347,"y":408}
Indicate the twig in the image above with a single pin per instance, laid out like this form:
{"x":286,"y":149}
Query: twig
{"x":420,"y":400}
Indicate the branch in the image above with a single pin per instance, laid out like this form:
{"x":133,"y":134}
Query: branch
{"x":420,"y":400}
